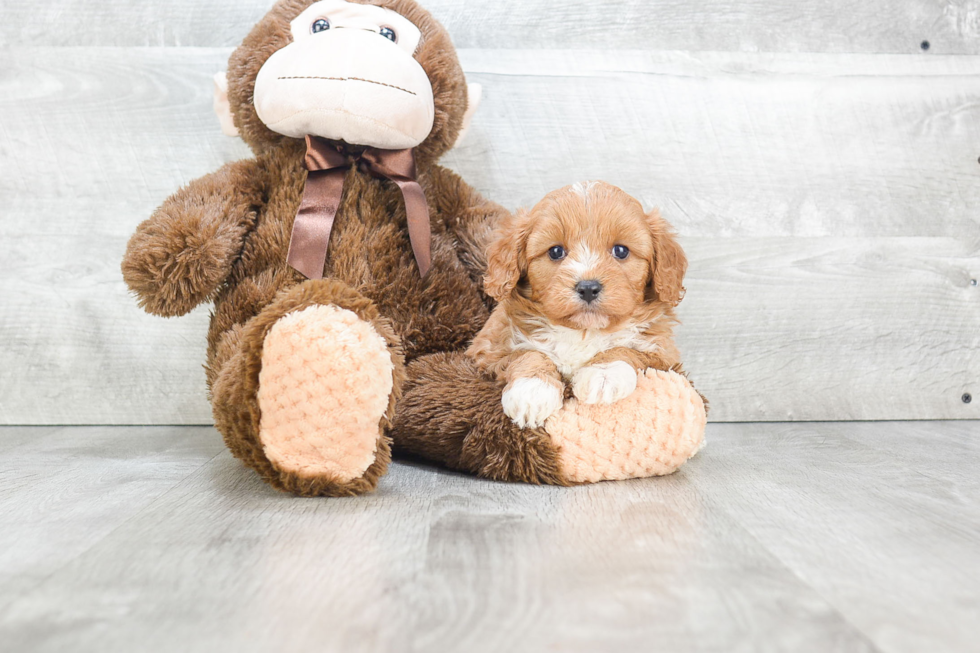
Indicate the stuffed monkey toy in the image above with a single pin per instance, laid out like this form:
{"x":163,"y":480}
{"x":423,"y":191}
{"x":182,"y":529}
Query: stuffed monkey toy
{"x":345,"y":267}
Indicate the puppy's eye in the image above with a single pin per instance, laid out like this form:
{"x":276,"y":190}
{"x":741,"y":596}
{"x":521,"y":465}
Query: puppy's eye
{"x":621,"y":251}
{"x":320,"y":25}
{"x":388,"y":33}
{"x":556,"y":253}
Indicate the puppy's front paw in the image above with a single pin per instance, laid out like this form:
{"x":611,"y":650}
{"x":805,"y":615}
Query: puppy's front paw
{"x":605,"y":383}
{"x":531,"y":401}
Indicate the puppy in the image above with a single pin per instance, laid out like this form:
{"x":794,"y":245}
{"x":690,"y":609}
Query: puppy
{"x":586,"y":283}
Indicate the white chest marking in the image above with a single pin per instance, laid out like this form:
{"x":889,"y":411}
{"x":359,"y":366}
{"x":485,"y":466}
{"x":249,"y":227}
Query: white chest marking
{"x":572,"y":349}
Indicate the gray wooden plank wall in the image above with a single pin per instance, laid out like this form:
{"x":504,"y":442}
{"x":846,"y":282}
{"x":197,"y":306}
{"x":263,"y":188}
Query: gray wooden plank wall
{"x":820,"y":166}
{"x":870,"y":26}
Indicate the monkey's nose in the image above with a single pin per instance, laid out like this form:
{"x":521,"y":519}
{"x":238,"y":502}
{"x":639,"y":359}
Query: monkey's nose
{"x":588,"y":290}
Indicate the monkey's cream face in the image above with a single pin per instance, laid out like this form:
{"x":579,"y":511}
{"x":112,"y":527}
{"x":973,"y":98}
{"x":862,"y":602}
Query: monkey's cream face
{"x":350,"y":74}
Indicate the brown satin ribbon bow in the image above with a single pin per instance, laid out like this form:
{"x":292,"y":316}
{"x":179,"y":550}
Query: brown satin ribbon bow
{"x":327,"y":165}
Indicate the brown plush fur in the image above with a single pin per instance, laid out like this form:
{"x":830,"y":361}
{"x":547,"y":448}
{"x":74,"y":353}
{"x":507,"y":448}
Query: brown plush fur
{"x":233,"y":375}
{"x":451,"y":413}
{"x":225,"y":237}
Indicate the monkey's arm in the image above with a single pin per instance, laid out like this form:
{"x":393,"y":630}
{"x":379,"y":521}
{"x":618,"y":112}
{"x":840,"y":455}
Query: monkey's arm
{"x":469,"y":217}
{"x":182,"y":254}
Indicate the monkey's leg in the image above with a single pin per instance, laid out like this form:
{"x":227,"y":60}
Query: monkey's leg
{"x":451,"y":412}
{"x":308,"y":387}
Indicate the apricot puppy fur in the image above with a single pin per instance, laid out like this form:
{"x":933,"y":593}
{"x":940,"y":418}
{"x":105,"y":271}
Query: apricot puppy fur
{"x":586,"y":283}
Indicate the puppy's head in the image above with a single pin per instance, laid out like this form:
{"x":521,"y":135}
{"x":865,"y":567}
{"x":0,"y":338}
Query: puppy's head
{"x":586,"y":256}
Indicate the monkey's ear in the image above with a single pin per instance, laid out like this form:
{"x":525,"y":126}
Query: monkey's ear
{"x":222,"y":107}
{"x":474,"y":93}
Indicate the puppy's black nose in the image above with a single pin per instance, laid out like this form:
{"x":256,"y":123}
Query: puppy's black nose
{"x":588,"y":290}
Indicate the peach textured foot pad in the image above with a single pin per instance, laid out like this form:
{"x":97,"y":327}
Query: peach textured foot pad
{"x":650,"y":433}
{"x":323,"y":389}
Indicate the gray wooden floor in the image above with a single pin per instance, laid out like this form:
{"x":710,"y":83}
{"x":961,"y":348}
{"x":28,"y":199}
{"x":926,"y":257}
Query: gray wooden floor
{"x":782,"y":537}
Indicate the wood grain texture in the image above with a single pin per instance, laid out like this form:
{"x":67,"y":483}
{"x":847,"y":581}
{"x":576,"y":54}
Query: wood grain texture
{"x":872,"y":26}
{"x":854,"y":328}
{"x":827,"y":203}
{"x":737,"y":145}
{"x":85,"y":156}
{"x":892,"y":508}
{"x":64,"y":489}
{"x":806,"y":537}
{"x":803,"y":145}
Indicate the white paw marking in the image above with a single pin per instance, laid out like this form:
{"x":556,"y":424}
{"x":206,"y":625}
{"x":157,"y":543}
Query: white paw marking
{"x":530,"y":402}
{"x":604,"y":384}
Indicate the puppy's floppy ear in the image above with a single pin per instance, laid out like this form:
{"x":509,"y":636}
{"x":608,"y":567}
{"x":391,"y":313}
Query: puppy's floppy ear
{"x":506,"y":256}
{"x":668,"y":265}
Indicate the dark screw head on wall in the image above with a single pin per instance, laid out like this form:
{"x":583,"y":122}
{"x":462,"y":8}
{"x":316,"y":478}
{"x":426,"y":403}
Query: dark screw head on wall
{"x":967,"y":398}
{"x":924,"y":45}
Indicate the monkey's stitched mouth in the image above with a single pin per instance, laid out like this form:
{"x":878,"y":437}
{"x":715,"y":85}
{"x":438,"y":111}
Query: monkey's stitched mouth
{"x":355,"y":79}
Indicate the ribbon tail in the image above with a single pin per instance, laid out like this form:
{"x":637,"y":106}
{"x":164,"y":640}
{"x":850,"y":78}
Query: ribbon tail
{"x":314,"y":222}
{"x":419,"y":227}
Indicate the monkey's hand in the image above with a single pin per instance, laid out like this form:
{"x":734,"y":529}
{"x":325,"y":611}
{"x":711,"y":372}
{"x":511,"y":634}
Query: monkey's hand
{"x":184,"y":252}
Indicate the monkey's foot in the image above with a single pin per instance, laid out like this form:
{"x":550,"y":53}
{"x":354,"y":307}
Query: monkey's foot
{"x":652,"y":432}
{"x":324,"y":387}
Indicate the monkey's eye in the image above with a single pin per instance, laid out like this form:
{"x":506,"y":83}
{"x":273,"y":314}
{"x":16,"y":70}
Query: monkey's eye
{"x":320,"y":25}
{"x":556,"y":253}
{"x":621,"y":251}
{"x":388,"y":33}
